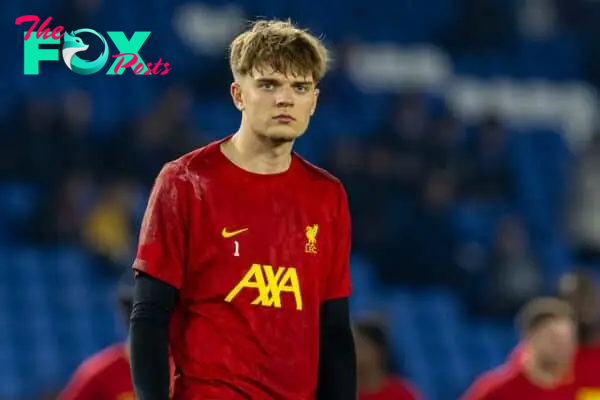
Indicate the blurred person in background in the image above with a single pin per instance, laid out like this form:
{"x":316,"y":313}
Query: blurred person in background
{"x":443,"y":146}
{"x":403,"y":132}
{"x":107,"y":229}
{"x":376,"y":376}
{"x":348,"y":161}
{"x":37,"y":121}
{"x":60,"y":218}
{"x":543,"y":370}
{"x":501,"y":282}
{"x":494,"y":23}
{"x":143,"y":144}
{"x":585,"y":205}
{"x":487,"y":171}
{"x":579,"y":289}
{"x":429,"y":226}
{"x":106,"y":375}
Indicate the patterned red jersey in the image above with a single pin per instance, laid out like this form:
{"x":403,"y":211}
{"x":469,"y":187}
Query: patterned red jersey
{"x":253,"y":256}
{"x":511,"y":383}
{"x":587,"y":365}
{"x":393,"y":389}
{"x":587,"y":371}
{"x":104,"y":376}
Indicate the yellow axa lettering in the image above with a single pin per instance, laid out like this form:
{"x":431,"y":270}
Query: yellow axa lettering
{"x":270,"y":284}
{"x":588,"y":394}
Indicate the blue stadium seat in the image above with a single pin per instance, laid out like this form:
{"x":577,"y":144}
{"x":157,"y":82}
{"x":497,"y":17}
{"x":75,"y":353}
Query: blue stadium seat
{"x":365,"y":298}
{"x":17,"y":202}
{"x":46,"y":294}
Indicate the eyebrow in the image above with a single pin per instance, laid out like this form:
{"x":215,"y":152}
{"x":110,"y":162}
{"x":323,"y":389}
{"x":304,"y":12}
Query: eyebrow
{"x":273,"y":80}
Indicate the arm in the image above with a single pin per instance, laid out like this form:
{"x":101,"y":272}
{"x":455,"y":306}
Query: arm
{"x":153,"y":302}
{"x":337,"y":358}
{"x":159,"y":269}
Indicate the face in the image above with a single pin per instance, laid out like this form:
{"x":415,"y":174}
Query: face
{"x":367,"y":354}
{"x":275,"y":105}
{"x":555,"y":340}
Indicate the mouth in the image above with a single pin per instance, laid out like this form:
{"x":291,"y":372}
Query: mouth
{"x":284,"y":118}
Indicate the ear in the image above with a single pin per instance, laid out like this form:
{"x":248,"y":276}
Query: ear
{"x":236,"y":95}
{"x":315,"y":101}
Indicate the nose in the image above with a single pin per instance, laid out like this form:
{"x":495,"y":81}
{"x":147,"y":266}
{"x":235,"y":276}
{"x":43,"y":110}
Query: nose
{"x":285,"y":97}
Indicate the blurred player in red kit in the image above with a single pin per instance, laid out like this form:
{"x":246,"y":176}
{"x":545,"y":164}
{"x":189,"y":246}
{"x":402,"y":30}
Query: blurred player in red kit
{"x":376,"y":379}
{"x":581,"y":292}
{"x":544,"y":369}
{"x":242,"y":261}
{"x":106,"y":375}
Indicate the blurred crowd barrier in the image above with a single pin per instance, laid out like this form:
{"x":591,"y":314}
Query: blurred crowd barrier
{"x":465,"y":132}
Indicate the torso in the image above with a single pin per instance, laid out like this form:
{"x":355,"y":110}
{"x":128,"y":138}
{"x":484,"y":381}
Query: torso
{"x":587,"y":371}
{"x":248,"y":317}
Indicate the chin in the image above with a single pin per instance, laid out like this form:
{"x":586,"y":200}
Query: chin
{"x":282,"y":135}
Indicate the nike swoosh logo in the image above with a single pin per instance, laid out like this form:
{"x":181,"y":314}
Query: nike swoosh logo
{"x":226,"y":234}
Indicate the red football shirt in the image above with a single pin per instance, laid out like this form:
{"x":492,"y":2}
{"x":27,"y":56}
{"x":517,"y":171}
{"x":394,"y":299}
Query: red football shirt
{"x":253,"y":256}
{"x":509,"y":382}
{"x":104,"y":376}
{"x":393,"y":389}
{"x":587,"y":372}
{"x":587,"y":365}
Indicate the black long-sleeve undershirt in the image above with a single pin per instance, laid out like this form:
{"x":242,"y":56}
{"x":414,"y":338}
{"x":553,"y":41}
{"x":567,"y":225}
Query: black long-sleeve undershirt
{"x":337,"y":356}
{"x":153,"y":303}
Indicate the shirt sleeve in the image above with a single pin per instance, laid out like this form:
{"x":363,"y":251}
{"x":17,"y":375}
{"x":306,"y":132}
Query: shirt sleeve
{"x":84,"y":385}
{"x":338,"y":283}
{"x":162,"y":241}
{"x":481,"y":389}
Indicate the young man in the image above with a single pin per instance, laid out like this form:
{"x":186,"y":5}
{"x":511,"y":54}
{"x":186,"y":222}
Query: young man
{"x":544,"y":368}
{"x":376,"y":376}
{"x":242,"y":265}
{"x":106,"y":375}
{"x":579,"y":289}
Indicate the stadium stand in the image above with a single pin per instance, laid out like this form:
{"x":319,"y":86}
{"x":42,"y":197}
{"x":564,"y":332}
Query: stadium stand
{"x":64,"y":139}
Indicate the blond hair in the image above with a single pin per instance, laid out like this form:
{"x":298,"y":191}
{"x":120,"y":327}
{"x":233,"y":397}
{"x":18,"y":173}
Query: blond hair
{"x":540,"y":310}
{"x":281,"y":46}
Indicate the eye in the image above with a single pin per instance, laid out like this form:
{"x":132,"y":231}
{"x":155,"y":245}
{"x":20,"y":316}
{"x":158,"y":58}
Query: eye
{"x":302,"y":88}
{"x":266,"y":85}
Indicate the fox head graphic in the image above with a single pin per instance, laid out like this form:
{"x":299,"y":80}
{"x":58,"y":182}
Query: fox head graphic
{"x":72,"y":45}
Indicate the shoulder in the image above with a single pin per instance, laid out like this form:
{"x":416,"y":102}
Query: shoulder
{"x":190,"y":172}
{"x":402,"y":387}
{"x":593,"y":350}
{"x":316,"y":173}
{"x":200,"y":160}
{"x":320,"y":177}
{"x":489,"y":383}
{"x":95,"y":366}
{"x":587,"y":357}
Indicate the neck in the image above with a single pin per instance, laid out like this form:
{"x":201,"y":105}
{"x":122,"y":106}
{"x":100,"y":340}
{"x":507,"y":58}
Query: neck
{"x":257,"y":154}
{"x":544,"y":372}
{"x":371,"y":381}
